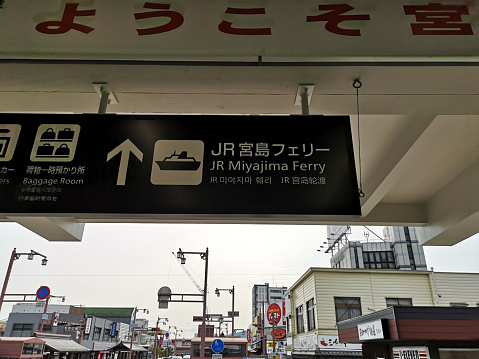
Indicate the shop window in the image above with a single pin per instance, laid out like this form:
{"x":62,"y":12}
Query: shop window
{"x":196,"y":351}
{"x":347,"y":308}
{"x":299,"y":320}
{"x":234,"y":350}
{"x":97,"y":333}
{"x":106,"y":335}
{"x":38,"y":349}
{"x":27,"y":348}
{"x":399,"y":302}
{"x":310,"y":314}
{"x":22,"y":330}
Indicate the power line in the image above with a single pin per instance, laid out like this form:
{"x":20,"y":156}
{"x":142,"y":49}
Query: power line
{"x":150,"y":275}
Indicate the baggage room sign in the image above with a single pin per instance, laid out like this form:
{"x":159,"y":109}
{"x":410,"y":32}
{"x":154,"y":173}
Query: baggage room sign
{"x":185,"y":165}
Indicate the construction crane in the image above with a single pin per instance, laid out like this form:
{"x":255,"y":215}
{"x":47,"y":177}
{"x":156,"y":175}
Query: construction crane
{"x":188,"y":274}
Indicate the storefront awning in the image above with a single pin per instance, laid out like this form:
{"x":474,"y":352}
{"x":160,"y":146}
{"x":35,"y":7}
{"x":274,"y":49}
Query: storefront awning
{"x":120,"y":347}
{"x":103,"y":346}
{"x":135,"y":347}
{"x":64,"y":345}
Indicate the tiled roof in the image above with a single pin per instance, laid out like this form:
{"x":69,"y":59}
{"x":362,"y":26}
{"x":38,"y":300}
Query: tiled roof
{"x":109,"y":312}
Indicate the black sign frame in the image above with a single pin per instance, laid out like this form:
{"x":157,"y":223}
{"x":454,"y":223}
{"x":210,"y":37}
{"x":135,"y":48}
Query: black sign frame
{"x":250,"y":166}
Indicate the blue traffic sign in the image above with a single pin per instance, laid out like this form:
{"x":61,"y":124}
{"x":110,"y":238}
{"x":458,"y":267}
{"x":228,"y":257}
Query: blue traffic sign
{"x":217,"y":346}
{"x":43,"y":292}
{"x":167,"y":335}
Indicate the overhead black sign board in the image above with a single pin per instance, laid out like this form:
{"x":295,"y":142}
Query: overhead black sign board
{"x":184,"y":165}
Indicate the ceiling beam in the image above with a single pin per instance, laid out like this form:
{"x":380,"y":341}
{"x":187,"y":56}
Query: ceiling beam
{"x":55,"y":229}
{"x":393,"y":167}
{"x":453,"y":213}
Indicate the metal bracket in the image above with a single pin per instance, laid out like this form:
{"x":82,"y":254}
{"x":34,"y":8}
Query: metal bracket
{"x":181,"y":298}
{"x":303,"y":97}
{"x":308,"y":88}
{"x":107,"y":97}
{"x":101,"y":87}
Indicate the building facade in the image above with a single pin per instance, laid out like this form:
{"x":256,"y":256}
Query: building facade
{"x":109,"y":324}
{"x":264,"y":299}
{"x":415,"y":332}
{"x":323,"y":297}
{"x":100,"y":332}
{"x":262,"y":295}
{"x":398,"y":249}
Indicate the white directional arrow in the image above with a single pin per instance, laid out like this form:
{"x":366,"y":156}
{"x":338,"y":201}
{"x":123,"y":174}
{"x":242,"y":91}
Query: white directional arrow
{"x":125,"y":148}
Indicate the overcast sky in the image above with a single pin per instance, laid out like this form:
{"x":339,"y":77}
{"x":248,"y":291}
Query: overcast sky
{"x":125,"y":264}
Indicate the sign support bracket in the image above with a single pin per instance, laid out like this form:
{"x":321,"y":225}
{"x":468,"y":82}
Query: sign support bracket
{"x":303,"y":97}
{"x":107,"y":96}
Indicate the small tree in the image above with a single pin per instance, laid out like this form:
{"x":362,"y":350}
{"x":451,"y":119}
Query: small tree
{"x":164,"y":352}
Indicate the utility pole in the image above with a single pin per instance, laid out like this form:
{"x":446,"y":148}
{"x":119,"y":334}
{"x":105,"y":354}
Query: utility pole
{"x":272,"y":334}
{"x":233,"y":309}
{"x":263,"y":332}
{"x":261,"y":327}
{"x":47,"y":300}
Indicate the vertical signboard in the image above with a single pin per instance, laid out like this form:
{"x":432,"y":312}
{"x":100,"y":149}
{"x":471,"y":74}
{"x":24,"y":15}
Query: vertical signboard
{"x":113,"y":330}
{"x":56,"y":319}
{"x":88,"y":325}
{"x":236,"y":166}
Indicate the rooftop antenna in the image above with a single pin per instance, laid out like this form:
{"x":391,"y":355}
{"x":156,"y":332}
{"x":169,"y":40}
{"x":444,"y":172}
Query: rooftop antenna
{"x":366,"y":235}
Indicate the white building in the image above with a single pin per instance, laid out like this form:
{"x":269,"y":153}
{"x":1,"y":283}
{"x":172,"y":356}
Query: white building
{"x":262,"y":295}
{"x":323,"y":296}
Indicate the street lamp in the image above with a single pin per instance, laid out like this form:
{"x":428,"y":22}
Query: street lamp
{"x":144,"y":310}
{"x":176,"y":333}
{"x":156,"y":335}
{"x":232,"y":292}
{"x":136,"y":311}
{"x":159,"y":320}
{"x":132,"y":331}
{"x":14,"y":257}
{"x":174,"y":344}
{"x":203,"y":255}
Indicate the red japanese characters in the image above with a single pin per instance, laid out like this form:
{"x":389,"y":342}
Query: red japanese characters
{"x":431,"y":19}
